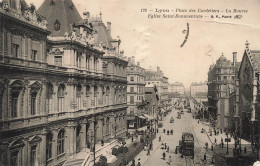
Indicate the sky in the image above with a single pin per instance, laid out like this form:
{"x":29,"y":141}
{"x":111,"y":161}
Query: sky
{"x":156,"y":42}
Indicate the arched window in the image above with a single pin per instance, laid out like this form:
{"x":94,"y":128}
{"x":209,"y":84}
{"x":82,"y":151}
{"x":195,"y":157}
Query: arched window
{"x":78,"y":95}
{"x":49,"y":93}
{"x":107,"y":125}
{"x":60,"y":142}
{"x":49,"y":146}
{"x":35,"y":87}
{"x":16,"y":152}
{"x":16,"y":89}
{"x":61,"y":95}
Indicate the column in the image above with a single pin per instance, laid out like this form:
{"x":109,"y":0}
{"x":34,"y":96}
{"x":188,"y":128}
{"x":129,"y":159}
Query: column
{"x":25,"y":151}
{"x":54,"y":145}
{"x":43,"y":148}
{"x":83,"y":134}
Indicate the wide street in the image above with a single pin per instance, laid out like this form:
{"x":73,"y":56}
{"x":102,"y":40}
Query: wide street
{"x":185,"y":124}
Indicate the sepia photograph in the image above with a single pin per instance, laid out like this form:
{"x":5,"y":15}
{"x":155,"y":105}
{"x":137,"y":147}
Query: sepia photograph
{"x":129,"y":83}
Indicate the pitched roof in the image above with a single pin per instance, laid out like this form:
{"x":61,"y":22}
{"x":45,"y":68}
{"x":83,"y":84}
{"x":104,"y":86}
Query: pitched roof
{"x":255,"y":59}
{"x":103,"y":36}
{"x":63,"y":12}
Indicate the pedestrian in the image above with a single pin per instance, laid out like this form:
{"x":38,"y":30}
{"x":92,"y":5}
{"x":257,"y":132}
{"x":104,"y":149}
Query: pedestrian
{"x":138,"y":164}
{"x":222,"y":145}
{"x":148,"y":152}
{"x":215,"y":132}
{"x":163,"y":155}
{"x":215,"y":140}
{"x":206,"y":145}
{"x":133,"y":162}
{"x":160,"y":138}
{"x":167,"y":132}
{"x":132,"y":138}
{"x":245,"y":150}
{"x":170,"y":160}
{"x":176,"y":150}
{"x":205,"y":157}
{"x":212,"y":147}
{"x":168,"y":149}
{"x":157,"y":130}
{"x":151,"y":146}
{"x":165,"y":146}
{"x":221,"y":131}
{"x":163,"y":130}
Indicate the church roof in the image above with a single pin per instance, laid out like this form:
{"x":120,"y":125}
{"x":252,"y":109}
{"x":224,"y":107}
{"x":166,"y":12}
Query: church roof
{"x":59,"y":13}
{"x":255,"y":59}
{"x":103,"y":36}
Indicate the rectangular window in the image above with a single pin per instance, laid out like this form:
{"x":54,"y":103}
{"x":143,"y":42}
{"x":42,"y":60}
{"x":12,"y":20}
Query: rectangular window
{"x":225,"y":78}
{"x":58,"y":60}
{"x":33,"y":103}
{"x":14,"y":106}
{"x":132,"y":100}
{"x":15,"y":50}
{"x":34,"y":55}
{"x":131,"y":89}
{"x":60,"y":104}
{"x":132,"y":79}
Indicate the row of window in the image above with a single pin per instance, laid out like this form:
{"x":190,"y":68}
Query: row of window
{"x":17,"y":92}
{"x":139,"y":79}
{"x":226,"y":78}
{"x":15,"y":51}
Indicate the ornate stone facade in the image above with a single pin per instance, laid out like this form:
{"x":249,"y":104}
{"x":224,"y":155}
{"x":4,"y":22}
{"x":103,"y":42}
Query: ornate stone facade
{"x":58,"y":95}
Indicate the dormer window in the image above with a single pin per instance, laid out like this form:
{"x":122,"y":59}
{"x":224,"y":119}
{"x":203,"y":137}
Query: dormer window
{"x":57,"y":25}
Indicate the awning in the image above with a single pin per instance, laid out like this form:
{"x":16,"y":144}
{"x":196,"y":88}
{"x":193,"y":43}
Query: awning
{"x":149,"y":117}
{"x":142,"y":117}
{"x":130,"y":117}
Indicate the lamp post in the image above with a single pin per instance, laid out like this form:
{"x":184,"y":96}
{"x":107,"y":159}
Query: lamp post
{"x":227,"y":140}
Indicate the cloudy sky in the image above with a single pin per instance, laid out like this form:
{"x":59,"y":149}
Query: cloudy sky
{"x":156,"y":42}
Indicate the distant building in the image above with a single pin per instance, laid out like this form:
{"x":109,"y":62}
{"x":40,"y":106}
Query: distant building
{"x":199,"y":89}
{"x":177,"y":87}
{"x":221,"y":82}
{"x":135,"y":94}
{"x":158,"y":79}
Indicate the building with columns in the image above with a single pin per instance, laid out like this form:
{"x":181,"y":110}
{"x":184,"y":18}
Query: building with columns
{"x":62,"y":90}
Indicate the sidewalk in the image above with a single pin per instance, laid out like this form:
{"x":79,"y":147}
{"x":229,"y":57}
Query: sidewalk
{"x":142,"y":155}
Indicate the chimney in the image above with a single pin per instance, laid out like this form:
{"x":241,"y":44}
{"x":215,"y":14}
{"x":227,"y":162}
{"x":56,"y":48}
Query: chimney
{"x":138,"y":63}
{"x":109,"y":27}
{"x":133,"y":59}
{"x":129,"y":59}
{"x":158,"y":69}
{"x":234,"y":58}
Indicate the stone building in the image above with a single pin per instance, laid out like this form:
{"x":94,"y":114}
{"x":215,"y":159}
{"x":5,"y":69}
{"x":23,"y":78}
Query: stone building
{"x":198,"y":89}
{"x":177,"y":87}
{"x":157,"y":78}
{"x":135,"y":94}
{"x":152,"y":99}
{"x":62,"y":91}
{"x":247,"y":114}
{"x":221,"y":82}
